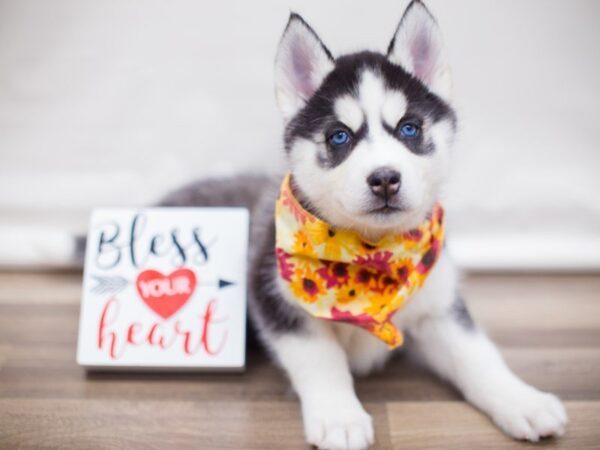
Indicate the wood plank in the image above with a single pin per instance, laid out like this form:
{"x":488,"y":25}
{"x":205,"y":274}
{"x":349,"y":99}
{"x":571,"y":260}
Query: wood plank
{"x":60,"y":423}
{"x":4,"y":352}
{"x":52,"y":348}
{"x":456,"y":425}
{"x":535,"y":302}
{"x":545,"y":368}
{"x":60,"y":287}
{"x":548,"y":328}
{"x":402,"y":380}
{"x":148,"y":424}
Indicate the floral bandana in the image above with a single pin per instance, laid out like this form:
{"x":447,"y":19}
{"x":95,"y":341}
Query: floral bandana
{"x":336,"y":275}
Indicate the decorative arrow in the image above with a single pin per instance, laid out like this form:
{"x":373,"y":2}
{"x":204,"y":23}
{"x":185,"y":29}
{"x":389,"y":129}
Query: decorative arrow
{"x":115,"y":284}
{"x":108,"y":285}
{"x":220,"y":283}
{"x":225,"y":283}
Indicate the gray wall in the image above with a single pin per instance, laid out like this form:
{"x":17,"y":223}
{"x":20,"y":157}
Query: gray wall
{"x":114,"y":102}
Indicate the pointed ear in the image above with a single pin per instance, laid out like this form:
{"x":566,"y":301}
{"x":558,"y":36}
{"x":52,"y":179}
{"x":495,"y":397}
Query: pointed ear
{"x":301,"y":64}
{"x":417,"y":46}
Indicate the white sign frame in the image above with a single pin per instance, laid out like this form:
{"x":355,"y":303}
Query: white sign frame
{"x":165,"y":289}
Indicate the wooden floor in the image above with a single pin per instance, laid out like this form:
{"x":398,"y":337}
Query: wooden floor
{"x":548,"y":328}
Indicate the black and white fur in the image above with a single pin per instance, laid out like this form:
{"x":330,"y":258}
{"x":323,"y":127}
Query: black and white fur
{"x":369,"y":95}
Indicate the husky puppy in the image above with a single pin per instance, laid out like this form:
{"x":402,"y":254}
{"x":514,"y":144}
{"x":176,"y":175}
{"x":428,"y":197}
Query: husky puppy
{"x":356,"y":126}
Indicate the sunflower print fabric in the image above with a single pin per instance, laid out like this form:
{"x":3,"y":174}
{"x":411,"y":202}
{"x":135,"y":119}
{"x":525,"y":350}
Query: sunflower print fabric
{"x":334,"y":274}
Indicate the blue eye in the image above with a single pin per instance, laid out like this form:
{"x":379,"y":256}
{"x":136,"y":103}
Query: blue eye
{"x":339,"y":138}
{"x":409,"y":130}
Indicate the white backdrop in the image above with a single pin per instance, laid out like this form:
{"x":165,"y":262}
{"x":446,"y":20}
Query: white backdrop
{"x":112,"y":103}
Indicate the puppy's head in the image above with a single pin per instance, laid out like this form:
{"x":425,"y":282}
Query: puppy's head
{"x":367,"y":135}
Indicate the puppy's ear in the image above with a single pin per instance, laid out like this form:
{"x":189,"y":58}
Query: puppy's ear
{"x":301,"y":64}
{"x":417,"y":46}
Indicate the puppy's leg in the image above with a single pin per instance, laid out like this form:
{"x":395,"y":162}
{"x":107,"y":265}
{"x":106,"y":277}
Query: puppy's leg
{"x":318,"y":368}
{"x":458,"y":351}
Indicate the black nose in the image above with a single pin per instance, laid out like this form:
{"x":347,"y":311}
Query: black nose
{"x":384,"y":182}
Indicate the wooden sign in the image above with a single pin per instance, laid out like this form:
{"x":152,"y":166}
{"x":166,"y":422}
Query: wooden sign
{"x":165,"y":288}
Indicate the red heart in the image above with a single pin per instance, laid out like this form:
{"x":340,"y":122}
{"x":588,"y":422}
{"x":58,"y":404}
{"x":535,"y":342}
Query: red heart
{"x":166,"y":294}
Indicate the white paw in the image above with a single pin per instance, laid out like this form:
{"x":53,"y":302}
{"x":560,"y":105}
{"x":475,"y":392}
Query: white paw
{"x":528,"y":414}
{"x":338,"y":426}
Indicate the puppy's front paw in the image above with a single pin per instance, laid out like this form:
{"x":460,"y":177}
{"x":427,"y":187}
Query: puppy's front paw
{"x":529,"y":414}
{"x":338,"y":426}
